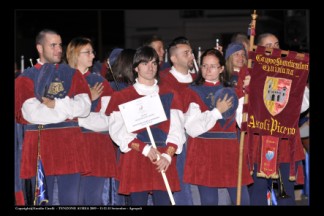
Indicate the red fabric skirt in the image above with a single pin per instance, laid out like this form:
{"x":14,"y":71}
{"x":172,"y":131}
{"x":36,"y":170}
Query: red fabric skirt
{"x":214,"y":163}
{"x":62,"y":152}
{"x":137,"y":174}
{"x":100,"y":159}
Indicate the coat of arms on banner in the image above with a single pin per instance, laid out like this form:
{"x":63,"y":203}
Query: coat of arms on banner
{"x":276,"y":94}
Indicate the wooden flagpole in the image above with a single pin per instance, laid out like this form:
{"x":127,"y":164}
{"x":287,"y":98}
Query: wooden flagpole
{"x":244,"y":118}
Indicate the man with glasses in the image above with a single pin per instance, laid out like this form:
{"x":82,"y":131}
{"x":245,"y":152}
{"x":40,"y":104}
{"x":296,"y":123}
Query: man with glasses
{"x":49,"y":99}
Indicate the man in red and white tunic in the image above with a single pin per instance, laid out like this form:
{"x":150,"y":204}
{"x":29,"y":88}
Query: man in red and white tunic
{"x":179,"y":77}
{"x":139,"y":170}
{"x":49,"y":98}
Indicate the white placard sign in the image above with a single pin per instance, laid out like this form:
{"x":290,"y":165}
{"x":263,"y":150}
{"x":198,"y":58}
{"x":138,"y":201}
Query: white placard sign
{"x":142,"y":112}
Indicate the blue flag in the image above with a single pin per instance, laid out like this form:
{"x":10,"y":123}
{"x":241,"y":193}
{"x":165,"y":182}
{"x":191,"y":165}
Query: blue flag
{"x":41,"y":193}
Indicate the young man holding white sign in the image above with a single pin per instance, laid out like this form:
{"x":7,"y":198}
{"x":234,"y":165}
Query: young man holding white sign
{"x":140,"y":165}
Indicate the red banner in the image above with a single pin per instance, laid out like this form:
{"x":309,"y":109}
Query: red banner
{"x":276,"y":92}
{"x":269,"y":154}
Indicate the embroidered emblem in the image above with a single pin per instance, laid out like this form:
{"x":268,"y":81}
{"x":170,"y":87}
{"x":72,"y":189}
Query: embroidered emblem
{"x":55,"y":88}
{"x":269,"y":155}
{"x":276,"y":94}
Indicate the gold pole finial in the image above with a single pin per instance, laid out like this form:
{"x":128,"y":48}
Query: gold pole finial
{"x":254,"y":15}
